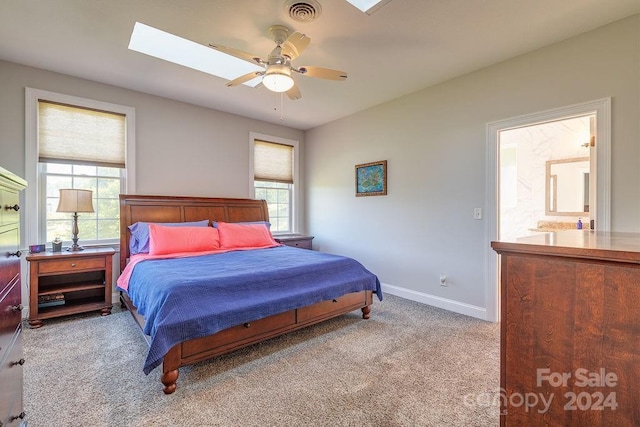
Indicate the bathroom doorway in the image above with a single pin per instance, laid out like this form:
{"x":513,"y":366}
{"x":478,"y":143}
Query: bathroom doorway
{"x":599,"y":190}
{"x":546,"y":177}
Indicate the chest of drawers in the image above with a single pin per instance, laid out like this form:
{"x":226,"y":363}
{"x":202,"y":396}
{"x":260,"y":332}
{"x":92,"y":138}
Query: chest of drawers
{"x":11,"y":360}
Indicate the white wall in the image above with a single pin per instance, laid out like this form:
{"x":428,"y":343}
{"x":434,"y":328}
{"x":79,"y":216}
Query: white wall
{"x":435,"y":144}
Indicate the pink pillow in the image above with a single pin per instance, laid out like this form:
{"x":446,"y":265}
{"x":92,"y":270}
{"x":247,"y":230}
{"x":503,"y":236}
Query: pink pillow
{"x":169,"y":240}
{"x":234,"y":236}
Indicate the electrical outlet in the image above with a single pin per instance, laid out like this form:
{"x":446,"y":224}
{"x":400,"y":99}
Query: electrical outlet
{"x":443,"y":280}
{"x":477,"y":213}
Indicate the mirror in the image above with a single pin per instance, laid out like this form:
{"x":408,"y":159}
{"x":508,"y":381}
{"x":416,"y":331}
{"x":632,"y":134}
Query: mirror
{"x":567,"y":187}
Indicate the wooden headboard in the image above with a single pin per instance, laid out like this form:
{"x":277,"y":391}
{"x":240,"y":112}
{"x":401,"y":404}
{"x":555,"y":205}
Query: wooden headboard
{"x":135,"y":208}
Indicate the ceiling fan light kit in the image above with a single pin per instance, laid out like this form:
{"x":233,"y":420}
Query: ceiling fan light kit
{"x":277,"y":78}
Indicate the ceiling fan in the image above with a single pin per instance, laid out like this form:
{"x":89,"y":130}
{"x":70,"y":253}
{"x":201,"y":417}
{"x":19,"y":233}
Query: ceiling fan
{"x":276,"y":75}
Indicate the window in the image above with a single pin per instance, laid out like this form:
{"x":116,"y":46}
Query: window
{"x":104,"y":182}
{"x":274,"y":171}
{"x":278,"y":197}
{"x":77,"y":143}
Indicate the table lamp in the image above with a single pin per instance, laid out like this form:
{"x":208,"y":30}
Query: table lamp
{"x":74,"y":201}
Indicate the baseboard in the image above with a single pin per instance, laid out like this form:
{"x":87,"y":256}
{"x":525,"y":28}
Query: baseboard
{"x":444,"y":303}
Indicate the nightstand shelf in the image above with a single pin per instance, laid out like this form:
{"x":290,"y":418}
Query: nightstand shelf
{"x":70,"y":288}
{"x":80,"y":305}
{"x":65,"y":283}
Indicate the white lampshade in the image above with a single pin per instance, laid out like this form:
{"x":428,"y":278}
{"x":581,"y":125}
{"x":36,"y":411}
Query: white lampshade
{"x":74,"y":200}
{"x":277,"y":78}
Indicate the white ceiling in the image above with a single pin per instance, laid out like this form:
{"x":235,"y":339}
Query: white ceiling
{"x":404,"y":46}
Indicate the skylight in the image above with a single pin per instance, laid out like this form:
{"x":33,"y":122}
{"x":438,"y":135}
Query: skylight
{"x":163,"y":45}
{"x":367,"y":6}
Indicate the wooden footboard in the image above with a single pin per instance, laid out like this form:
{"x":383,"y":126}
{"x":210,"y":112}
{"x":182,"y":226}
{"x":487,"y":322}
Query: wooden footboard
{"x":228,"y":340}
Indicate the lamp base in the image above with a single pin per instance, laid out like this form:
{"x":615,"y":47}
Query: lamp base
{"x":75,"y":246}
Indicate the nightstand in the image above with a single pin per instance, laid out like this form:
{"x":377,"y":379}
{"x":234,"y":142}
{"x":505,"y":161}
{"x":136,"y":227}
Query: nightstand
{"x":295,"y":240}
{"x":63,"y":283}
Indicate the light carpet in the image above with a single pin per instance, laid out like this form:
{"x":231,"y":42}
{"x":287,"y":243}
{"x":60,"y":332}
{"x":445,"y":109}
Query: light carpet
{"x":409,"y":365}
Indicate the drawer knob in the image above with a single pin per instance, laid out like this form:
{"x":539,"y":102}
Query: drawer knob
{"x":18,"y":307}
{"x":73,"y":264}
{"x":19,"y":362}
{"x":247,"y":325}
{"x":20,"y":416}
{"x":14,"y":207}
{"x":16,"y":253}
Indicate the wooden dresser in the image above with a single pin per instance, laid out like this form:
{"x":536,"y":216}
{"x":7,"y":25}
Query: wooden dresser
{"x":570,"y":329}
{"x":11,"y":360}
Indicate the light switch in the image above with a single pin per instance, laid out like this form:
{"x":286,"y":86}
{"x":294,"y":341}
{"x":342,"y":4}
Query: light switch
{"x":477,"y":213}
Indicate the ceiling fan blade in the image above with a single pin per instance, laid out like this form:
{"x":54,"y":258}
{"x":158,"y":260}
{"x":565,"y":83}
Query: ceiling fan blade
{"x":294,"y":45}
{"x":237,"y":53}
{"x":294,"y":93}
{"x":245,"y":78}
{"x":322,"y":73}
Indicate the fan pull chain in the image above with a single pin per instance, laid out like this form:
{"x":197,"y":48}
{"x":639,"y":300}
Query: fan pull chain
{"x":275,"y":105}
{"x":281,"y":106}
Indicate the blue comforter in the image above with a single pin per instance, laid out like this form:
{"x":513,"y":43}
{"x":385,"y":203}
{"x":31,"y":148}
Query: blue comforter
{"x":185,"y":298}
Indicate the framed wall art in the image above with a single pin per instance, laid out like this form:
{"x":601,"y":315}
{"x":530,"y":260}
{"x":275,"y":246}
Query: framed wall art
{"x":371,"y":179}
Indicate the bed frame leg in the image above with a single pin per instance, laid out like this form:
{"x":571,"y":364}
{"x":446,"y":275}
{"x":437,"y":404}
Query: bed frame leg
{"x":169,"y":380}
{"x":365,"y":311}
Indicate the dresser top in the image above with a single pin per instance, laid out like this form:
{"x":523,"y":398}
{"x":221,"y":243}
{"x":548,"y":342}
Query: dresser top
{"x":616,"y":246}
{"x":11,"y":179}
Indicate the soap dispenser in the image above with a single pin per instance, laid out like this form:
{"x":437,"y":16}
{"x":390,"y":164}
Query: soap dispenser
{"x":579,"y":225}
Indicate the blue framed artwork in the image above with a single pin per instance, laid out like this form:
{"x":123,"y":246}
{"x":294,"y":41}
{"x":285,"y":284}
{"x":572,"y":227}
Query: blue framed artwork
{"x":371,"y":179}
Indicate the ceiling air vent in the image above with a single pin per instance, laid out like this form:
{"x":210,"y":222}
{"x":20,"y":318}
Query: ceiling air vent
{"x":303,"y":11}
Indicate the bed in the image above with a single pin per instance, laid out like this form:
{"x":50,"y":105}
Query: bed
{"x":231,"y":299}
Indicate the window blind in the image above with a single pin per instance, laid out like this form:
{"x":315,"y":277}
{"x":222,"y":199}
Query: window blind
{"x":272,"y":162}
{"x":80,"y":135}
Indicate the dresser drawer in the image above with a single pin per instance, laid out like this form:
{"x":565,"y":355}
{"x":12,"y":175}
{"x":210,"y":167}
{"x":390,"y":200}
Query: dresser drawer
{"x":66,"y":266}
{"x":9,"y":317}
{"x":9,"y":265}
{"x":299,"y":243}
{"x":325,"y":308}
{"x":11,"y":374}
{"x":8,"y":215}
{"x":241,"y":332}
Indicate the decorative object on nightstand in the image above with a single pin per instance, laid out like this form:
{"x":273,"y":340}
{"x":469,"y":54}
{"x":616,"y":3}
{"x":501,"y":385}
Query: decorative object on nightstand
{"x":295,"y":240}
{"x":68,"y":282}
{"x":56,"y":245}
{"x":73,"y":200}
